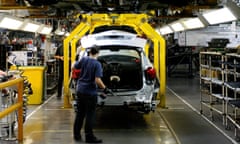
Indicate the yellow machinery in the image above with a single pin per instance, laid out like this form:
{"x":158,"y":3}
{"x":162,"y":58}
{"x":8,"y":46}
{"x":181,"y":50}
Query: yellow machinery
{"x":137,"y":21}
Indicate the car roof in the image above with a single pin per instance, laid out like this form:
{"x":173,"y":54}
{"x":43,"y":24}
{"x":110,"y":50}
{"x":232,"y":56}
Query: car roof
{"x":112,"y":38}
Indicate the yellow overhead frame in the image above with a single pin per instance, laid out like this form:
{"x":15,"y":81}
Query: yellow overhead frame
{"x":137,"y":21}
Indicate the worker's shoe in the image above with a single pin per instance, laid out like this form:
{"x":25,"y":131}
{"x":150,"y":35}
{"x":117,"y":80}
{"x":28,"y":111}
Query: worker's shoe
{"x":59,"y":97}
{"x":92,"y":139}
{"x":78,"y":138}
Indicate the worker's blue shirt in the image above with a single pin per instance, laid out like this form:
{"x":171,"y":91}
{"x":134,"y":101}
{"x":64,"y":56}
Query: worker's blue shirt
{"x":90,"y":69}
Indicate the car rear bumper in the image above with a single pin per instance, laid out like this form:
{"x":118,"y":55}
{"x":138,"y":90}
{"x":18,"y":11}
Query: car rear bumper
{"x":132,"y":101}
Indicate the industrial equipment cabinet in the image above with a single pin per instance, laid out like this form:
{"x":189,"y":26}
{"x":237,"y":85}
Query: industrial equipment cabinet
{"x":220,"y":87}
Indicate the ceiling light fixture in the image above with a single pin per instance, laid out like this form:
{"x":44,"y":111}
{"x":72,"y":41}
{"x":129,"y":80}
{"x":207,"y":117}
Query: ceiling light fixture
{"x":165,"y":30}
{"x":177,"y":26}
{"x":10,"y":22}
{"x":45,"y":30}
{"x":219,"y":16}
{"x":30,"y":26}
{"x":59,"y":31}
{"x":192,"y":23}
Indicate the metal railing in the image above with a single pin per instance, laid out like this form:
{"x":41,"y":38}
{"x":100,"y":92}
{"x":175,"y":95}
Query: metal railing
{"x":19,"y":82}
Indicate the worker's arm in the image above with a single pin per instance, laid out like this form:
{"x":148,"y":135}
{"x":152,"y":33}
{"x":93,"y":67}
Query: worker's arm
{"x":58,"y":57}
{"x":100,"y":83}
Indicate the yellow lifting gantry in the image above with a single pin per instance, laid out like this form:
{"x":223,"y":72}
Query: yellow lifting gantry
{"x":137,"y":21}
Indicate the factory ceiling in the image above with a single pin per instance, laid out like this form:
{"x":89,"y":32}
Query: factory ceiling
{"x":62,"y":8}
{"x":162,"y":11}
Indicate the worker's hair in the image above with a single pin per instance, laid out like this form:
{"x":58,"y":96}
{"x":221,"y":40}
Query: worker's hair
{"x":94,"y":50}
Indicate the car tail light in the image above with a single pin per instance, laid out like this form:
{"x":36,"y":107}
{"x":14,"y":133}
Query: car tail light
{"x":137,"y":60}
{"x":151,"y":73}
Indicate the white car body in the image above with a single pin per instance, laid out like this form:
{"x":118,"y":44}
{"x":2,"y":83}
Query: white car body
{"x":143,"y":98}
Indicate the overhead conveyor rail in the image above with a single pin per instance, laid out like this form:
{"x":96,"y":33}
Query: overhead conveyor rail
{"x":139,"y":22}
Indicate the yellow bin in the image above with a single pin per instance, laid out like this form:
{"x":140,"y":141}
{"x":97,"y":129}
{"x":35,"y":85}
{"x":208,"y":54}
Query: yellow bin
{"x":35,"y":75}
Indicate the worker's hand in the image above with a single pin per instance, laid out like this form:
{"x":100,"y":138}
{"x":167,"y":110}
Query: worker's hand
{"x":61,"y":58}
{"x":107,"y":91}
{"x":103,"y":96}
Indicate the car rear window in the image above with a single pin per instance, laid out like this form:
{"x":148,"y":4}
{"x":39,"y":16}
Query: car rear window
{"x":123,"y":52}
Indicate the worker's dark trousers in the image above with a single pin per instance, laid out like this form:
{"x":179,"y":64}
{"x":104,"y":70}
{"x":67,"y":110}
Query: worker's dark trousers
{"x":60,"y":79}
{"x":86,"y":108}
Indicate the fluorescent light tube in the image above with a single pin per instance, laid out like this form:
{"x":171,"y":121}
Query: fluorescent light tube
{"x":193,"y":23}
{"x":219,"y":16}
{"x":165,"y":30}
{"x":30,"y":26}
{"x":59,"y":32}
{"x":177,"y":26}
{"x":9,"y":22}
{"x":45,"y":30}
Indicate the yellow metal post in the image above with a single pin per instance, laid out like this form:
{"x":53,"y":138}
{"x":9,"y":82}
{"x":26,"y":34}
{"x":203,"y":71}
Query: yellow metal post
{"x":156,"y":60}
{"x":73,"y":50}
{"x":20,"y":111}
{"x":66,"y":74}
{"x":82,"y":28}
{"x":146,"y":49}
{"x":163,"y":72}
{"x":159,"y":64}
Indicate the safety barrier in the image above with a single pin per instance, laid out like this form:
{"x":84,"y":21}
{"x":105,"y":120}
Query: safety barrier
{"x":16,"y":106}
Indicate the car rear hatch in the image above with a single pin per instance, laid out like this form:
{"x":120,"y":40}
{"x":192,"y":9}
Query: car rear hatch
{"x":121,"y":58}
{"x":122,"y":68}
